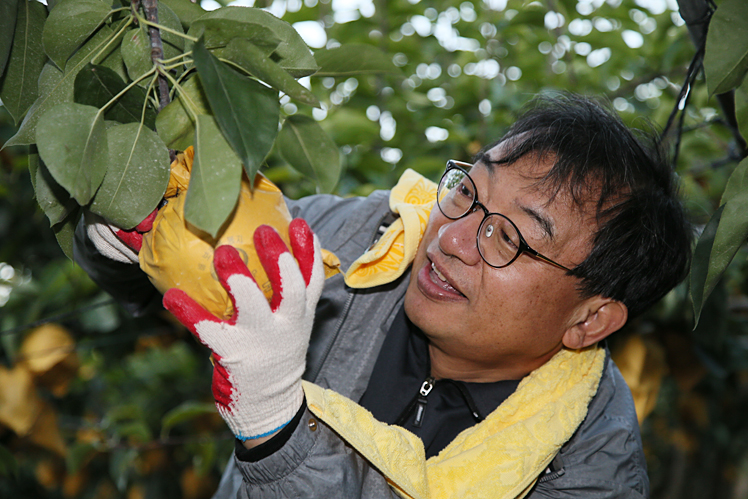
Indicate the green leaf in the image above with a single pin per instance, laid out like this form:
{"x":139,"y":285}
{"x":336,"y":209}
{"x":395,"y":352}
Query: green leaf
{"x":186,"y":411}
{"x":246,"y":111}
{"x":218,"y":33}
{"x":19,"y":88}
{"x":741,"y":109}
{"x":353,"y":59}
{"x":136,"y":52}
{"x":65,"y":232}
{"x":96,"y":86}
{"x":185,"y":9}
{"x":349,"y":126}
{"x":72,"y":143}
{"x":33,"y":165}
{"x":115,"y":62}
{"x":79,"y":453}
{"x":136,"y":431}
{"x":737,"y":183}
{"x":700,"y":265}
{"x":70,"y":23}
{"x":215,"y":180}
{"x":136,"y":178}
{"x":8,"y":24}
{"x":173,"y":45}
{"x":207,"y":454}
{"x":247,"y":55}
{"x":309,"y":150}
{"x":8,"y":463}
{"x":726,"y":57}
{"x":53,"y":199}
{"x":56,"y":87}
{"x":730,"y":234}
{"x":175,"y":123}
{"x":221,"y":25}
{"x":121,"y":464}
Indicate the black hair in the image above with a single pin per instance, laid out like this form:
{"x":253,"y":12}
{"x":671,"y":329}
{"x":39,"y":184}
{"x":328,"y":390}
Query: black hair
{"x":642,"y":246}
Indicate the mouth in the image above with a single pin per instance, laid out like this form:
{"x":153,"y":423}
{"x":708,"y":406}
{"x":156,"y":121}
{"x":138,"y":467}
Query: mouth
{"x":436,"y":285}
{"x":438,"y":274}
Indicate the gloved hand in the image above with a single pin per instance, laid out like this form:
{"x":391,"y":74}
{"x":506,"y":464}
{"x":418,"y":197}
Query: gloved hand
{"x":115,"y":243}
{"x":260,"y":352}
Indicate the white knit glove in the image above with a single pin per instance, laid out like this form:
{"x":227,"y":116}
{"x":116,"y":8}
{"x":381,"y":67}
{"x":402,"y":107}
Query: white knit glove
{"x":260,"y":352}
{"x":115,"y":243}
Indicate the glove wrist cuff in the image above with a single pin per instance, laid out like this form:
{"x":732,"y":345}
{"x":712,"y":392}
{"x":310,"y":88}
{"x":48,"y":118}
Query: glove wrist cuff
{"x":250,"y":423}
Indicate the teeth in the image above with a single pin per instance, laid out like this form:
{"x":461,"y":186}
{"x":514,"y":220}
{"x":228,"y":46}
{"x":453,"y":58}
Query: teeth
{"x":438,"y":274}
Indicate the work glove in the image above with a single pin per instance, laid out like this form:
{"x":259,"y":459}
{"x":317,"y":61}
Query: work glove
{"x":115,"y":243}
{"x":260,"y":352}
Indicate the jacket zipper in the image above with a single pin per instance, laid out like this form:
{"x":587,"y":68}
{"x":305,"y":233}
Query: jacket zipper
{"x":426,"y":387}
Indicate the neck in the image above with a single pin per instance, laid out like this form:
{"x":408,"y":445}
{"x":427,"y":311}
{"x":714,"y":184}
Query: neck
{"x":446,"y":366}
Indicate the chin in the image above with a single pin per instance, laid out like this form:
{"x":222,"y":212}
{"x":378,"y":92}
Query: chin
{"x":422,"y":312}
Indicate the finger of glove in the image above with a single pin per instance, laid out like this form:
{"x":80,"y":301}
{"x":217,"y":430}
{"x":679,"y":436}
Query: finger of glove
{"x":302,"y":245}
{"x":108,"y":244}
{"x":190,"y":314}
{"x":289,"y":287}
{"x":307,"y":250}
{"x":236,"y":278}
{"x":132,"y":238}
{"x":147,"y":223}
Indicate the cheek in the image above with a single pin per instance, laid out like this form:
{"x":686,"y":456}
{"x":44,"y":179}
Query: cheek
{"x":520,"y":302}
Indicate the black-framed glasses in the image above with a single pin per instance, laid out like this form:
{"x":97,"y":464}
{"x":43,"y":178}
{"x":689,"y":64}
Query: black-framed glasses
{"x":499,"y":240}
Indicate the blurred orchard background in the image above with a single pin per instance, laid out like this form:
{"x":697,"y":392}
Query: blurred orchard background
{"x":97,"y":404}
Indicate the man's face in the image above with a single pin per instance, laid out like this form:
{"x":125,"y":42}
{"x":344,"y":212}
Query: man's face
{"x":490,"y":323}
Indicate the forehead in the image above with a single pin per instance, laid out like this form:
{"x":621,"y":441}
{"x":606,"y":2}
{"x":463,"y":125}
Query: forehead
{"x":538,"y":179}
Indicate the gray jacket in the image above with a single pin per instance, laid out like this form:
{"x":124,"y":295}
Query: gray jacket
{"x":603,"y":458}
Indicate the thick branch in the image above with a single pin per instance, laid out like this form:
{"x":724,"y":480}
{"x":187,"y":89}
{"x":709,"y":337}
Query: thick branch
{"x":157,"y":50}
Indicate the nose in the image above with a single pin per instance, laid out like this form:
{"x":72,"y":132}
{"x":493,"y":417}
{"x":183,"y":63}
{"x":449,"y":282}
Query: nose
{"x":458,"y":238}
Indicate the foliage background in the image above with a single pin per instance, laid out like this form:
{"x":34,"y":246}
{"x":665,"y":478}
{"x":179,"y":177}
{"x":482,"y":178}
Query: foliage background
{"x":125,"y":408}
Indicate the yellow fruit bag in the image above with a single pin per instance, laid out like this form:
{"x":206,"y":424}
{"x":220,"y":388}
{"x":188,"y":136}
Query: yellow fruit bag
{"x":175,"y":254}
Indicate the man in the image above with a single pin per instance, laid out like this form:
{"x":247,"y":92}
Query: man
{"x":487,"y":349}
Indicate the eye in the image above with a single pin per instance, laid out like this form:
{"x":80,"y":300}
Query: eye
{"x":507,"y":238}
{"x":465,"y":190}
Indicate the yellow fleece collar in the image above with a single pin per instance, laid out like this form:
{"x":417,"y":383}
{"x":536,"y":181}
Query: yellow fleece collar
{"x":501,"y":457}
{"x":412,"y":198}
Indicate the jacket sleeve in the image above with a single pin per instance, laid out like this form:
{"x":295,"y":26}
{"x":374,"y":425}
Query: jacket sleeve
{"x":314,"y":463}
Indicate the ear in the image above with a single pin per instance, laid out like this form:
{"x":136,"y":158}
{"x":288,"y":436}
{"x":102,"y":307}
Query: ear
{"x":600,"y":317}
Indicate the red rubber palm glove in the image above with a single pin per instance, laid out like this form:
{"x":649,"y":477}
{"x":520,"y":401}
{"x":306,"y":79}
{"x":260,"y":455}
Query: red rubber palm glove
{"x":260,"y":352}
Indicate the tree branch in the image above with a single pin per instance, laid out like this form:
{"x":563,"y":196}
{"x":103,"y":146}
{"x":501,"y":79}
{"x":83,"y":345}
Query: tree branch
{"x":157,"y":50}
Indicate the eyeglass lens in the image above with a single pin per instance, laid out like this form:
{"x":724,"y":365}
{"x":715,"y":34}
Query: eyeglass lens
{"x":498,"y":238}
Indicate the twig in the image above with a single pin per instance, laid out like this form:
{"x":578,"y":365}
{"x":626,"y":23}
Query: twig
{"x":157,"y":50}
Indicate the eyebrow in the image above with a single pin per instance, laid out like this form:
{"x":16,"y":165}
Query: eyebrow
{"x":545,"y":223}
{"x":482,"y":157}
